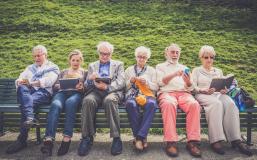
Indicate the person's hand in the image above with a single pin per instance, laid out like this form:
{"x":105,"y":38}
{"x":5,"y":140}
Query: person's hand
{"x":22,"y":82}
{"x":208,"y":91}
{"x":186,"y":79}
{"x":179,"y":73}
{"x":141,"y":80}
{"x":101,"y":85}
{"x":223,"y":91}
{"x":133,"y":79}
{"x":93,"y":76}
{"x":35,"y":83}
{"x":79,"y":86}
{"x":57,"y":86}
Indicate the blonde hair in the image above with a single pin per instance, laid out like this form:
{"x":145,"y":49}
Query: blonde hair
{"x":76,"y":52}
{"x":143,"y":49}
{"x":206,"y":50}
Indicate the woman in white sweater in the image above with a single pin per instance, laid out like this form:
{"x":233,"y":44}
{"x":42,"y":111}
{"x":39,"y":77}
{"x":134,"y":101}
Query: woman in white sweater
{"x":141,"y":79}
{"x":221,"y":113}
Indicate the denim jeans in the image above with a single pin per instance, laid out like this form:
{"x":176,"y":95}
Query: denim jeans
{"x":69,"y":102}
{"x":29,"y":98}
{"x":139,"y":123}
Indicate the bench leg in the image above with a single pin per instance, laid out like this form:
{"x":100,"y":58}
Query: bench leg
{"x":38,"y":134}
{"x":249,"y":129}
{"x":1,"y":124}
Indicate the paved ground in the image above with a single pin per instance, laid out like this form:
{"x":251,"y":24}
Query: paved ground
{"x":101,"y":149}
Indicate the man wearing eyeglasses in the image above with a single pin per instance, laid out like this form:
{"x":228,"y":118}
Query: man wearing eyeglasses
{"x":175,"y":85}
{"x":34,"y":87}
{"x":102,"y":93}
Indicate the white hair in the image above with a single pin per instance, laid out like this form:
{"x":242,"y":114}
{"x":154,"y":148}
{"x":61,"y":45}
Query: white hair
{"x":40,"y":48}
{"x":106,"y":44}
{"x":173,"y":45}
{"x":144,"y":50}
{"x":206,"y":50}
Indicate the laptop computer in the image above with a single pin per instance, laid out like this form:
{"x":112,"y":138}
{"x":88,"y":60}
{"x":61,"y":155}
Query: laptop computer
{"x":68,"y":84}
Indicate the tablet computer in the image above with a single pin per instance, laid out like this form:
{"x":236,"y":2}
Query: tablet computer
{"x":68,"y":84}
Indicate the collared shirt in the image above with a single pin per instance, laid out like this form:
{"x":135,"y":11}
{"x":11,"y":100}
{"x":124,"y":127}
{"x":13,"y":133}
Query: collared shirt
{"x":104,"y":69}
{"x":175,"y":84}
{"x":46,"y":81}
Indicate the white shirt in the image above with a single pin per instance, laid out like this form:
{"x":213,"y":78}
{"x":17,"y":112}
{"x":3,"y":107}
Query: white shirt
{"x":175,"y":84}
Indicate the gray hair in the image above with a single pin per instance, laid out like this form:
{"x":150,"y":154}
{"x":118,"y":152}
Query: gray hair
{"x":106,"y":44}
{"x":173,"y":45}
{"x":206,"y":50}
{"x":143,"y":49}
{"x":40,"y":48}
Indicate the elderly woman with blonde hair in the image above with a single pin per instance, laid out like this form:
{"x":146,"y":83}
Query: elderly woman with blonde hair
{"x":141,"y":86}
{"x":221,"y":113}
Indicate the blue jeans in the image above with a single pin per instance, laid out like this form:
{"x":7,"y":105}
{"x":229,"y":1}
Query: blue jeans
{"x":69,"y":101}
{"x":140,"y":124}
{"x":29,"y":98}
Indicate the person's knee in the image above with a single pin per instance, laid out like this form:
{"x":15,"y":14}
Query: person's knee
{"x":109,"y":100}
{"x":152,"y":103}
{"x":131,"y":103}
{"x":56,"y":105}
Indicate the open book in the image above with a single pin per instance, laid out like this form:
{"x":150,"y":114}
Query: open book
{"x":221,"y":83}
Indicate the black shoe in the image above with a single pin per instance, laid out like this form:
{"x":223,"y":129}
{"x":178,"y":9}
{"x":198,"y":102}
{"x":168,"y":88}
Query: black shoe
{"x":116,"y":146}
{"x":242,"y":147}
{"x":47,"y":148}
{"x":30,"y":123}
{"x":85,"y":146}
{"x":64,"y":148}
{"x":217,"y":147}
{"x":17,"y":146}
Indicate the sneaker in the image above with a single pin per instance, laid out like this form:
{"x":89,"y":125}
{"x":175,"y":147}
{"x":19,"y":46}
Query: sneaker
{"x":17,"y":146}
{"x":116,"y":146}
{"x":47,"y":148}
{"x":64,"y":148}
{"x":85,"y":146}
{"x":30,"y":122}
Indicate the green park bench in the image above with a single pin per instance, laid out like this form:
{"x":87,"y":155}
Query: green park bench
{"x":10,"y":114}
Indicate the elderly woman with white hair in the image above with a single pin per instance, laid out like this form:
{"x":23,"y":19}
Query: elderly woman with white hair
{"x":221,"y":112}
{"x":105,"y":83}
{"x":34,"y":87}
{"x":141,"y":81}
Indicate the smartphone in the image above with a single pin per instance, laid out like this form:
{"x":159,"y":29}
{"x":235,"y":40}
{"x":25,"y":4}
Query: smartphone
{"x":187,"y":71}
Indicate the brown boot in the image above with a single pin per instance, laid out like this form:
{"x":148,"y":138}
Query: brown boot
{"x":193,"y":148}
{"x":172,"y":149}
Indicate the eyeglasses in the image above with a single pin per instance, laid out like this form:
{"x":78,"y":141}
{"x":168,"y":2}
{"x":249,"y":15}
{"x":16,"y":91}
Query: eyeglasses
{"x":38,"y":55}
{"x":105,"y":54}
{"x":141,"y":57}
{"x":211,"y":57}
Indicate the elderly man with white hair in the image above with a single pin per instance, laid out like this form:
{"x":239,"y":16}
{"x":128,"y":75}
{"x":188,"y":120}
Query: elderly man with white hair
{"x":175,"y":86}
{"x":34,"y":87}
{"x":101,"y":92}
{"x":141,"y":81}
